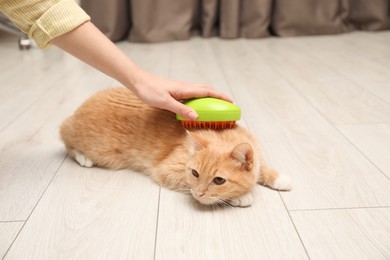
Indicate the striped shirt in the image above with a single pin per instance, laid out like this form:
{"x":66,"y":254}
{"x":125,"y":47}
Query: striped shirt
{"x":44,"y":20}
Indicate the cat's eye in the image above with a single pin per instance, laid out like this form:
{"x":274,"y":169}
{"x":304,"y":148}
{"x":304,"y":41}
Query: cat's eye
{"x":195,"y":173}
{"x":219,"y":180}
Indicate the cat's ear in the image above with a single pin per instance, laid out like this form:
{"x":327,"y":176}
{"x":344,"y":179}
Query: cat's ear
{"x":243,"y":153}
{"x":199,"y":142}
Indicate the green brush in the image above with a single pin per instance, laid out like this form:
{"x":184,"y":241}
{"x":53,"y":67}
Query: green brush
{"x":213,"y":114}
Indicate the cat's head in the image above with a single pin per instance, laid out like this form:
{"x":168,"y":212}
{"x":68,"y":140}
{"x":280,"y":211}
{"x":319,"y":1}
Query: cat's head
{"x":217,"y":175}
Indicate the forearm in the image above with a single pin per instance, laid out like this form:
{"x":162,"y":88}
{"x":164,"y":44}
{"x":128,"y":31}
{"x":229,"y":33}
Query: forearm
{"x":88,"y":44}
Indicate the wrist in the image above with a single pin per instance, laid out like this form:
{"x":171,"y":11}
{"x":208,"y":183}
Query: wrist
{"x":133,"y":78}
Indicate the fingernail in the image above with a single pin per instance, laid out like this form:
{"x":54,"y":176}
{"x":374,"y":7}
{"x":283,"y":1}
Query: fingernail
{"x":192,"y":115}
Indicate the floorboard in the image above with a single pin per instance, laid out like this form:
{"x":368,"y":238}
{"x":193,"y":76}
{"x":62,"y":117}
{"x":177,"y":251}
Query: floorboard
{"x":360,"y":58}
{"x":8,"y":232}
{"x":345,"y":234}
{"x":91,"y":214}
{"x":373,"y":141}
{"x":320,"y":76}
{"x":263,"y":231}
{"x":30,"y":149}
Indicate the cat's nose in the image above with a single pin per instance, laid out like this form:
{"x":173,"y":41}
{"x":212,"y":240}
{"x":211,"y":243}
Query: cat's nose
{"x":199,"y":194}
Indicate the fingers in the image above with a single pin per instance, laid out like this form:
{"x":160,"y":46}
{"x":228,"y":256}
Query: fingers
{"x":219,"y":95}
{"x":211,"y":92}
{"x":181,"y":109}
{"x":198,"y":91}
{"x":201,"y":91}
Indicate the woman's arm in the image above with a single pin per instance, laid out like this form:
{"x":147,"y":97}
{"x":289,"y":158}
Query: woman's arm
{"x":64,"y":24}
{"x":88,"y":44}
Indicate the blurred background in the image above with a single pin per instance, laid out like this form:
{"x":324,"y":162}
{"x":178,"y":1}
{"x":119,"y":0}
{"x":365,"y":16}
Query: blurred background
{"x":170,"y":20}
{"x":167,"y":20}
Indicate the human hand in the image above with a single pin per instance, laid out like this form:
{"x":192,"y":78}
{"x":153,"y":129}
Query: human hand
{"x":167,"y":94}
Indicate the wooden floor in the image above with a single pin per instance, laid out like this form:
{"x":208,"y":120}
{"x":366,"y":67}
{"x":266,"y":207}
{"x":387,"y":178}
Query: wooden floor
{"x":319,"y":105}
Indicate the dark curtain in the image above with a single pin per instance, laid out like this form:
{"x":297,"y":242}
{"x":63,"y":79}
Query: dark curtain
{"x":168,"y":20}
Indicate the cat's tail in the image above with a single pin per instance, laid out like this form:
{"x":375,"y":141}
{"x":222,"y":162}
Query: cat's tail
{"x":67,"y":133}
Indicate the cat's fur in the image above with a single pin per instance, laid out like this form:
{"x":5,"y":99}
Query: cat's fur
{"x":114,"y":129}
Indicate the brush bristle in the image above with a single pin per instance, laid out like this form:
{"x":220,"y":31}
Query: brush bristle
{"x":208,"y":125}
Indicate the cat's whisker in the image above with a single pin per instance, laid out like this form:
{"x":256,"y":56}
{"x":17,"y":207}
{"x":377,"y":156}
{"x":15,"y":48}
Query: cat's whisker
{"x":218,"y":203}
{"x":224,"y":203}
{"x":183,"y":186}
{"x":218,"y":206}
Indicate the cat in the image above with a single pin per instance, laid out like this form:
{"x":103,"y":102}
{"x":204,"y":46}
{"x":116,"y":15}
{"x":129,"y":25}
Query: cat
{"x":114,"y":129}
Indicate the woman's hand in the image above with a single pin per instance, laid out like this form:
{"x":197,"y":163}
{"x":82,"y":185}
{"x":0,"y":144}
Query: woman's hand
{"x":167,"y":94}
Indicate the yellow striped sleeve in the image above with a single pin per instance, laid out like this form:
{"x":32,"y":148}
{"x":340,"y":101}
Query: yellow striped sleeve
{"x":44,"y":20}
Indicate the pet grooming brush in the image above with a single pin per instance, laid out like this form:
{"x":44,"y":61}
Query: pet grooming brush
{"x":213,"y":114}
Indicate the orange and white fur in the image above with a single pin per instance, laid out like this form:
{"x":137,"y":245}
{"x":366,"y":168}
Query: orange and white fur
{"x":114,"y":129}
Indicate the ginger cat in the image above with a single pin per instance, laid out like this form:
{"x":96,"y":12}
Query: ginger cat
{"x":114,"y":129}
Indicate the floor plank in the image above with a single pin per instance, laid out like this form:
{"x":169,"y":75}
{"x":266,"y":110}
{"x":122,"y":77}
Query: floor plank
{"x":328,"y":172}
{"x":91,"y":214}
{"x":372,"y":46}
{"x":345,"y":234}
{"x":18,"y":93}
{"x":154,"y":58}
{"x":262,"y":231}
{"x":359,"y":57}
{"x":194,"y":61}
{"x":30,"y":149}
{"x":8,"y":233}
{"x":321,"y":81}
{"x":373,"y":141}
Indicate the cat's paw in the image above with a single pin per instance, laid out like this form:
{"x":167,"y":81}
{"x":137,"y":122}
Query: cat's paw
{"x":243,"y":201}
{"x":82,"y":159}
{"x":282,"y":182}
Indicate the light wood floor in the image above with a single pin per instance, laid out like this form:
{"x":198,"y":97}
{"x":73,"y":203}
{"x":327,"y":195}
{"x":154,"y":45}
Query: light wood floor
{"x":319,"y":105}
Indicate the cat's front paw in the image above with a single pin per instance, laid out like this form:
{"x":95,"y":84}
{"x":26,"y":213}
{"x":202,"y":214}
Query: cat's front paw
{"x":282,"y":183}
{"x":243,"y":201}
